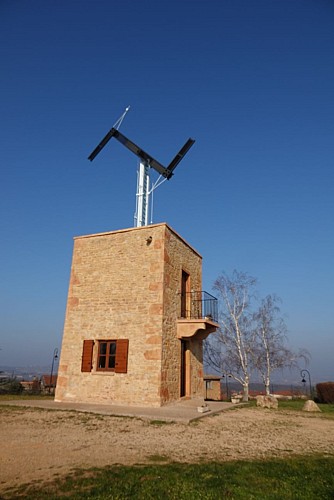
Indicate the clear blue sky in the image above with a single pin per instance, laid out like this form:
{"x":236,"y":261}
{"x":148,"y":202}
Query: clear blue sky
{"x":251,"y":81}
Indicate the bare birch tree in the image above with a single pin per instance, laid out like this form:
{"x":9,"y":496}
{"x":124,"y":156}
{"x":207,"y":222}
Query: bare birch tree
{"x":270,"y":352}
{"x":229,"y":351}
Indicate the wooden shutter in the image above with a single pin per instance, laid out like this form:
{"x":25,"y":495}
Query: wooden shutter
{"x":122,"y":347}
{"x":87,"y":355}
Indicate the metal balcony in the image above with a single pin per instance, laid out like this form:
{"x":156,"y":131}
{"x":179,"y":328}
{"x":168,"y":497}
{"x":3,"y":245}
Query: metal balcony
{"x":199,"y":305}
{"x":198,"y":315}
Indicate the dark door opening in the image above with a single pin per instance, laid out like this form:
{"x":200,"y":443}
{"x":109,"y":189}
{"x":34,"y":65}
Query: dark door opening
{"x":184,"y":375}
{"x":185,"y":297}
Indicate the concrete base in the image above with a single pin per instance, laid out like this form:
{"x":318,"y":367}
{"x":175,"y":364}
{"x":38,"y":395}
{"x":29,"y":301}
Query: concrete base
{"x":183,"y":411}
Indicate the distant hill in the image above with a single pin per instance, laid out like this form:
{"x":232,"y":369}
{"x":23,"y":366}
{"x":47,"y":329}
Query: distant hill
{"x":275,"y":388}
{"x":29,"y":372}
{"x":25,"y":372}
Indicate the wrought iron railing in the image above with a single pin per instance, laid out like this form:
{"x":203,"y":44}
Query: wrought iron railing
{"x":199,"y":305}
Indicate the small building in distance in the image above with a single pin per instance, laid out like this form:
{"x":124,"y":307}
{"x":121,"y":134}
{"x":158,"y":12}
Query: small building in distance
{"x":48,"y":383}
{"x":212,"y":388}
{"x":135,"y":320}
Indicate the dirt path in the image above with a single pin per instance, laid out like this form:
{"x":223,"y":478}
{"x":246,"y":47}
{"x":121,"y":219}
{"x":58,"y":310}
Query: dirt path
{"x":38,"y":445}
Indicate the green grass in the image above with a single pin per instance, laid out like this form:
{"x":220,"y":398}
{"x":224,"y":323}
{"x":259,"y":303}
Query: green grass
{"x":327,"y":410}
{"x":12,"y":397}
{"x":297,"y":405}
{"x":304,"y":478}
{"x":161,"y":422}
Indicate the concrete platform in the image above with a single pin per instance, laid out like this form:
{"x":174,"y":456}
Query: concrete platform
{"x":183,"y":411}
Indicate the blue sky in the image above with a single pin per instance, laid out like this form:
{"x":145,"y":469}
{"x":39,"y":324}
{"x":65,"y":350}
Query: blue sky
{"x":251,"y":81}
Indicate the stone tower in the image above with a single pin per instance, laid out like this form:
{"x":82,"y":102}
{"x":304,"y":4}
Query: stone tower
{"x":135,"y":319}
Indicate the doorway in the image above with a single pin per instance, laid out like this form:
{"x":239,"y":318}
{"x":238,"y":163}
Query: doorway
{"x":185,"y":295}
{"x":185,"y":369}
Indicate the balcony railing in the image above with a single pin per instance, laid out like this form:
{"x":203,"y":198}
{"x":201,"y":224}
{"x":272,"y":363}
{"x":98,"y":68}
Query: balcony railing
{"x":199,"y":305}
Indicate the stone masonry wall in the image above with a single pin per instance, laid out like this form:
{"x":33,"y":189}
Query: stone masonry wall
{"x":178,"y":257}
{"x":126,"y":285}
{"x":116,"y":291}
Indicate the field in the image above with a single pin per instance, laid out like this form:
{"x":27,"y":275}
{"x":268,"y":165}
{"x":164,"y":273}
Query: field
{"x":235,"y":453}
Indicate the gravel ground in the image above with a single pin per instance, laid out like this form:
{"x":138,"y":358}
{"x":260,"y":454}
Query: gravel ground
{"x":40,"y":445}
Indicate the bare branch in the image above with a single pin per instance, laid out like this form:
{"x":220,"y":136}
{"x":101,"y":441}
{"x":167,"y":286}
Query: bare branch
{"x":249,"y":340}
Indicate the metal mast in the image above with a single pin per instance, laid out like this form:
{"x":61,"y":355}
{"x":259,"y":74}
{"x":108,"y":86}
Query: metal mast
{"x":142,"y":195}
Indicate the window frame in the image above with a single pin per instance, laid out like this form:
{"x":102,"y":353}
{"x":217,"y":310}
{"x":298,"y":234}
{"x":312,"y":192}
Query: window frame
{"x":91,"y":356}
{"x":107,"y":355}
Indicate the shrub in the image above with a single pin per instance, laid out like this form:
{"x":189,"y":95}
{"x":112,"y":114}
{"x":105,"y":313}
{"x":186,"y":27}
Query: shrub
{"x":11,"y":386}
{"x":325,"y":392}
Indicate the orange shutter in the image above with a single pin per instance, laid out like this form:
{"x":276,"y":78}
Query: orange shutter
{"x":122,"y":347}
{"x":87,"y":355}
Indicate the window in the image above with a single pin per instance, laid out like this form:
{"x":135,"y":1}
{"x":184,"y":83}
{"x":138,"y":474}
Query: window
{"x":106,"y":358}
{"x":111,"y":355}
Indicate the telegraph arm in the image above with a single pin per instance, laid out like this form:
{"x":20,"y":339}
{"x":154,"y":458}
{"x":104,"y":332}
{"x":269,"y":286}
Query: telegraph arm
{"x":146,"y":162}
{"x":166,"y":172}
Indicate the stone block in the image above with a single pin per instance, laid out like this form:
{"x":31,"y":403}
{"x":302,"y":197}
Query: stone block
{"x":311,"y":406}
{"x":267,"y":402}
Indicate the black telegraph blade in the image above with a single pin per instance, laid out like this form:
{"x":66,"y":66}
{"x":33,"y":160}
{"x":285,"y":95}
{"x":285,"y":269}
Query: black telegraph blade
{"x":148,"y":159}
{"x":141,"y":153}
{"x":178,"y":158}
{"x":102,"y":144}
